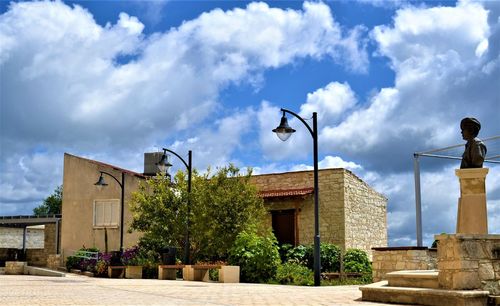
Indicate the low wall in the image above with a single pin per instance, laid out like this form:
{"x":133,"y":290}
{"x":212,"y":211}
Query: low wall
{"x":392,"y":259}
{"x":469,"y":261}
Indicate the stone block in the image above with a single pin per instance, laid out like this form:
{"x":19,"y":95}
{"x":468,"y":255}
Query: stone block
{"x":466,"y":280}
{"x":15,"y":267}
{"x":133,"y":272}
{"x":486,"y":271}
{"x":229,"y":274}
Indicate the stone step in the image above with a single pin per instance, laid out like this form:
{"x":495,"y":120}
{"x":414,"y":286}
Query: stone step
{"x":381,"y":292}
{"x":413,"y":278}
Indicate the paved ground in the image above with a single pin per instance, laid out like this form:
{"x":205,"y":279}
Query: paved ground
{"x":81,"y":290}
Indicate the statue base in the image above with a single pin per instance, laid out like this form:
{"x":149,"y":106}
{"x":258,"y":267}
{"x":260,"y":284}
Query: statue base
{"x":472,"y":213}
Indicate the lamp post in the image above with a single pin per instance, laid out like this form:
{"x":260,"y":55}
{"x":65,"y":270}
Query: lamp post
{"x":163,"y":165}
{"x":284,"y":131}
{"x":101,"y":182}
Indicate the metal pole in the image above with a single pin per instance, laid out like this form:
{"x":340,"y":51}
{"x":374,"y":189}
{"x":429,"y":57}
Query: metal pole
{"x":122,"y":204}
{"x":186,"y":246}
{"x":25,"y":231}
{"x":317,"y":258}
{"x":57,"y":236}
{"x":418,"y":203}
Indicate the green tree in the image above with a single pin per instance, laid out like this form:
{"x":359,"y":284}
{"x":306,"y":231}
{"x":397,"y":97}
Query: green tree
{"x":51,"y":205}
{"x":222,"y":205}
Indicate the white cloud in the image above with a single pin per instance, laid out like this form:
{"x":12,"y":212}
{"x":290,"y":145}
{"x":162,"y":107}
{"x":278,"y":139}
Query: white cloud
{"x":446,"y":64}
{"x":70,"y":84}
{"x":329,"y":162}
{"x":329,"y":102}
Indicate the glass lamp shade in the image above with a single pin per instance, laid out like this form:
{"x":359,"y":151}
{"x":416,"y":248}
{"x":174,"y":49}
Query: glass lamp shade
{"x":284,"y":131}
{"x":163,"y":165}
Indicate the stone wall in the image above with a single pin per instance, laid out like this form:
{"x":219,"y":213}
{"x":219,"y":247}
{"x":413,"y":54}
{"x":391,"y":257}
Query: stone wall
{"x":352,"y":214}
{"x":36,"y":257}
{"x":50,"y":238}
{"x":365,"y":215}
{"x":12,"y":237}
{"x":392,"y":259}
{"x":467,"y":261}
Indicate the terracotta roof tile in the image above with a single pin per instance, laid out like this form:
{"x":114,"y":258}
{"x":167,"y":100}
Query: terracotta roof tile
{"x":285,"y":192}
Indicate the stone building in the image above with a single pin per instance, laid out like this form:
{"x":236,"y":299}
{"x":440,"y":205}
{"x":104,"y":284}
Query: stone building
{"x":353,"y":215}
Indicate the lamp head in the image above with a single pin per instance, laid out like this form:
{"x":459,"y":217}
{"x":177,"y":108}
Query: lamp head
{"x":100,"y":181}
{"x":163,"y":165}
{"x":284,"y":131}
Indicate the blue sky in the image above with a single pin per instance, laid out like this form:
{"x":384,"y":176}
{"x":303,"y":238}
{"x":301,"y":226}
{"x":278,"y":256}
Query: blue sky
{"x":110,"y":80}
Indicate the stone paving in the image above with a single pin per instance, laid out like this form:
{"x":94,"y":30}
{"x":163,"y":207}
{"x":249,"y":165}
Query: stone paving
{"x":81,"y":290}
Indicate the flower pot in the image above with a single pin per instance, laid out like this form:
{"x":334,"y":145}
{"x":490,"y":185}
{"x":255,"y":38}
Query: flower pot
{"x":133,"y":272}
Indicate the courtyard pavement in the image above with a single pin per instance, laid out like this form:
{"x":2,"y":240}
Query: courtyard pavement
{"x":81,"y":290}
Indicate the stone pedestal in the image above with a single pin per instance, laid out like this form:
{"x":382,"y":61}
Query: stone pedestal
{"x":469,"y":262}
{"x":472,"y":214}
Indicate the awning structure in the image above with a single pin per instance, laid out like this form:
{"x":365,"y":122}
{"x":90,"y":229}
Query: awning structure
{"x":24,"y":221}
{"x":281,"y":193}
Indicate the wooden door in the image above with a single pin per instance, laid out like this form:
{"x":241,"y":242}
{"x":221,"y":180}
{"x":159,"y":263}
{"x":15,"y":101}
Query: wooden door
{"x":284,"y":226}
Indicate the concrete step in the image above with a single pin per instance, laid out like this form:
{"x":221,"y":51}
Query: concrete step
{"x":382,"y":292}
{"x":414,"y":278}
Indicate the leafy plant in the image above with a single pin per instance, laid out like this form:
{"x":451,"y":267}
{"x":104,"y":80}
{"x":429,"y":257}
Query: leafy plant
{"x":72,"y":262}
{"x":298,"y":254}
{"x":222,"y":204}
{"x":257,"y":255}
{"x":291,"y":273}
{"x":304,"y":255}
{"x":330,"y":257}
{"x":130,"y":256}
{"x":356,"y":260}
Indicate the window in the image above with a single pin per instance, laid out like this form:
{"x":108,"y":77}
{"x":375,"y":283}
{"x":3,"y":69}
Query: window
{"x":106,"y":213}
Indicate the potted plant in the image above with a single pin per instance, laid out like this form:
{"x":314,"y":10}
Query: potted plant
{"x":133,"y":263}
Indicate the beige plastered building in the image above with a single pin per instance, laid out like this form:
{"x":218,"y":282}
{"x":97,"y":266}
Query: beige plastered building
{"x":352,"y":214}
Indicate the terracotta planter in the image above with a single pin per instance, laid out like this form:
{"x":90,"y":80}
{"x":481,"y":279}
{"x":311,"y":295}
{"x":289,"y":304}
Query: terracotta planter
{"x":133,"y":272}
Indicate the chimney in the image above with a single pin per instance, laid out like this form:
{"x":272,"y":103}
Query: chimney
{"x":150,"y":161}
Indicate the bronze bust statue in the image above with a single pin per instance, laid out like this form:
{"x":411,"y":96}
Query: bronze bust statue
{"x":475,"y":150}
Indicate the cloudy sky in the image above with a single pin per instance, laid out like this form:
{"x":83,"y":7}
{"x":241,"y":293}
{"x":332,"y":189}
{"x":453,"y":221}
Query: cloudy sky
{"x":110,"y":80}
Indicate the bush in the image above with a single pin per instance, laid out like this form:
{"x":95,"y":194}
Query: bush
{"x":294,"y":274}
{"x":284,"y":249}
{"x":330,"y":257}
{"x":72,"y":262}
{"x":298,"y":255}
{"x":356,"y":260}
{"x":257,"y":256}
{"x":304,"y":255}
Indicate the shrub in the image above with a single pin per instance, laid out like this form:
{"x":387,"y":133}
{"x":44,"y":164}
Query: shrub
{"x":356,"y":260}
{"x":330,"y":257}
{"x":284,"y":249}
{"x":304,"y":255}
{"x":72,"y":262}
{"x":298,"y":255}
{"x":130,"y":256}
{"x":257,"y":256}
{"x":294,"y":274}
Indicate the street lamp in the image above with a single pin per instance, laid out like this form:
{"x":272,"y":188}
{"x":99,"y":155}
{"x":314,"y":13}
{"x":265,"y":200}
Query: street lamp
{"x":163,"y":165}
{"x":101,"y":182}
{"x":284,"y":131}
